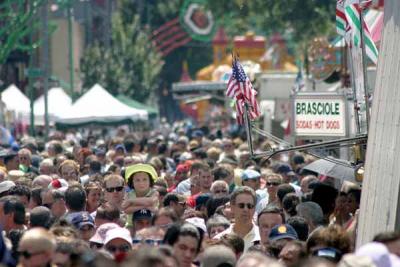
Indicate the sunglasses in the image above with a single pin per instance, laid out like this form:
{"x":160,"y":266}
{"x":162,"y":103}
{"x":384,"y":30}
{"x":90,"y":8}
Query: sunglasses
{"x":272,"y":183}
{"x":150,"y":242}
{"x":94,"y":245}
{"x":248,"y":205}
{"x":220,"y":191}
{"x":112,"y":189}
{"x":28,"y":255}
{"x":122,"y":248}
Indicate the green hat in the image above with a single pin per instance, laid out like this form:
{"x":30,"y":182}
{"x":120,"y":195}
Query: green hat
{"x":147,"y":168}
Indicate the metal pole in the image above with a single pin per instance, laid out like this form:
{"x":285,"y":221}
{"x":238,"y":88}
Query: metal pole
{"x":70,"y":46}
{"x":364,"y":70}
{"x":248,"y":127}
{"x":45,"y":65}
{"x":31,"y":92}
{"x":356,"y":108}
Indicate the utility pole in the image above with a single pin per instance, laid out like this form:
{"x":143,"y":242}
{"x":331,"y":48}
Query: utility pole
{"x":380,"y":202}
{"x":70,"y":4}
{"x":45,"y":64}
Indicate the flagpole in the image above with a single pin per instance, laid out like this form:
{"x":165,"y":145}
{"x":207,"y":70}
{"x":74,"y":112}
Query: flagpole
{"x":248,"y":129}
{"x":364,"y":62}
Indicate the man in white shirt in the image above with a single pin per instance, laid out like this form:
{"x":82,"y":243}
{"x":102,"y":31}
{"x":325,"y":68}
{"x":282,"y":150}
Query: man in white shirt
{"x":243,"y":201}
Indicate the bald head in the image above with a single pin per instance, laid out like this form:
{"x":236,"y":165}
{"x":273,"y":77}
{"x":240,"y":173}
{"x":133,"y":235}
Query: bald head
{"x":42,"y":181}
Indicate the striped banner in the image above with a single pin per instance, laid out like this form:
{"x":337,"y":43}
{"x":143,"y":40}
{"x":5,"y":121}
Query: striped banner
{"x":353,"y":12}
{"x":341,"y":21}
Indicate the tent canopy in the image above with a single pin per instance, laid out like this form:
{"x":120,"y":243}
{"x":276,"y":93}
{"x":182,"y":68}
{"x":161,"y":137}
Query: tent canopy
{"x":58,"y":101}
{"x":15,"y":100}
{"x":153,"y":112}
{"x":97,"y":106}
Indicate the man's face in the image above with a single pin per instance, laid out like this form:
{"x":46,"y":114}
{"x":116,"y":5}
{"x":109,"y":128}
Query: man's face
{"x":265,"y":223}
{"x":57,"y":207}
{"x":33,"y":256}
{"x":272,"y":185}
{"x":243,"y":208}
{"x":24,"y":159}
{"x":185,"y":250}
{"x":181,"y":175}
{"x":45,"y":169}
{"x":205,"y":179}
{"x":115,"y":197}
{"x":253,"y":183}
{"x":141,"y":224}
{"x":2,"y":176}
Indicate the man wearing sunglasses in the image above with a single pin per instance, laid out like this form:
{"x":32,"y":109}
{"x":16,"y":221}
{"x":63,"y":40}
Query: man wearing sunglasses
{"x":114,"y":189}
{"x":36,"y":248}
{"x":243,"y":201}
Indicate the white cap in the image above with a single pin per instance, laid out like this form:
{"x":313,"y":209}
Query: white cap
{"x":6,"y":185}
{"x":198,"y":222}
{"x":101,"y":232}
{"x":119,"y":232}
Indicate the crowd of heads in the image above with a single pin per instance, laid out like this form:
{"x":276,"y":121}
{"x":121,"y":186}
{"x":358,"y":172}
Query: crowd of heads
{"x":183,"y":198}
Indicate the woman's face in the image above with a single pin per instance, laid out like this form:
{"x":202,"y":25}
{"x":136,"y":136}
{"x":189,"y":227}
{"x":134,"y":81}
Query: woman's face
{"x":352,"y":204}
{"x":69,"y":173}
{"x":94,"y":197}
{"x":141,"y":181}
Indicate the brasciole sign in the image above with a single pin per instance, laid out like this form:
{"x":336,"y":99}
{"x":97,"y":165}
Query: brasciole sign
{"x":319,"y":115}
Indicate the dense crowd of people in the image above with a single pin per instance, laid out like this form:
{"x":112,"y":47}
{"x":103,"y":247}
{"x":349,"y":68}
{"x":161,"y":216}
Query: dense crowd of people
{"x":179,"y":198}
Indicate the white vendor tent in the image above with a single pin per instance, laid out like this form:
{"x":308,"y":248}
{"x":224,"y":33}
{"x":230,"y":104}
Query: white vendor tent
{"x":58,"y":102}
{"x":97,"y":106}
{"x":15,"y":100}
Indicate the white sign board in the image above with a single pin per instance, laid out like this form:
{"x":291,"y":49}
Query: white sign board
{"x":319,"y":115}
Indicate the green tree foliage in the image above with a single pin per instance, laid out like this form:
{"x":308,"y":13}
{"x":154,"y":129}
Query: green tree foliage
{"x":130,"y":66}
{"x":17,"y":23}
{"x":302,"y":19}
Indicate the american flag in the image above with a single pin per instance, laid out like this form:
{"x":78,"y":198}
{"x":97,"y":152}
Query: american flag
{"x":241,"y":89}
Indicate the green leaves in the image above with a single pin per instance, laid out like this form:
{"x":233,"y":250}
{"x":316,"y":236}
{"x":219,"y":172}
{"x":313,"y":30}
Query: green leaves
{"x":131,"y":66}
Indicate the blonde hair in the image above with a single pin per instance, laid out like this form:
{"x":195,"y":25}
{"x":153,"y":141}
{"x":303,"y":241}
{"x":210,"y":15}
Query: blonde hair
{"x":39,"y":239}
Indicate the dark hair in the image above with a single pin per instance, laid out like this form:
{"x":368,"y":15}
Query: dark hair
{"x":170,"y":197}
{"x":175,"y":231}
{"x":12,"y":204}
{"x":300,"y":225}
{"x":130,"y":180}
{"x":387,"y":237}
{"x":36,"y":195}
{"x":213,"y":203}
{"x":95,"y":166}
{"x":108,"y":212}
{"x":41,"y":217}
{"x":234,"y":241}
{"x":283,"y":190}
{"x":325,"y":195}
{"x":20,"y":190}
{"x":271,"y":209}
{"x":289,"y":203}
{"x":75,"y":198}
{"x":220,"y":173}
{"x":356,"y":193}
{"x":129,"y":144}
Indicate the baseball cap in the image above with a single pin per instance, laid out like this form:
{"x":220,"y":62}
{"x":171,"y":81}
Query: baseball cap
{"x":198,"y":222}
{"x":140,"y":167}
{"x":250,"y":175}
{"x":120,"y":146}
{"x":118,"y":232}
{"x":182,"y":168}
{"x":81,"y":219}
{"x":284,"y":168}
{"x":379,"y":254}
{"x":197,"y":133}
{"x":101,"y":232}
{"x":329,"y":253}
{"x":60,"y":184}
{"x":282,"y":231}
{"x":193,"y":145}
{"x":142,"y":214}
{"x":6,"y":186}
